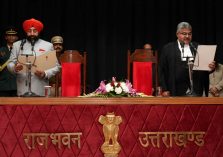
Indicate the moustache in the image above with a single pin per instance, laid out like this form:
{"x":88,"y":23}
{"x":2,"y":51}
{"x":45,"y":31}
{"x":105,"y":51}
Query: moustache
{"x":32,"y":38}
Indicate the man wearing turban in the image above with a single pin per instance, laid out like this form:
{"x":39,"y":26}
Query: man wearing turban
{"x":31,"y":46}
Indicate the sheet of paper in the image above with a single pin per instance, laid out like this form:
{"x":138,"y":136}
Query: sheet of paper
{"x":205,"y":55}
{"x":42,"y":62}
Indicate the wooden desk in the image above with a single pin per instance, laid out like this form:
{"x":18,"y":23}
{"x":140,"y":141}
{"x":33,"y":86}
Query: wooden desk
{"x":67,"y":115}
{"x":110,"y":101}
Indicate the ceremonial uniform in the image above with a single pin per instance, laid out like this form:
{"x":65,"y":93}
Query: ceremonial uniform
{"x":57,"y":42}
{"x":7,"y":79}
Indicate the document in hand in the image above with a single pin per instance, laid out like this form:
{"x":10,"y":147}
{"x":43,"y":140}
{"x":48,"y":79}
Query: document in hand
{"x":43,"y":62}
{"x":205,"y":55}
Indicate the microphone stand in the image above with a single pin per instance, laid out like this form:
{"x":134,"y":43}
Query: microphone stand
{"x":28,"y":64}
{"x":190,"y":64}
{"x":191,"y":93}
{"x":29,"y":93}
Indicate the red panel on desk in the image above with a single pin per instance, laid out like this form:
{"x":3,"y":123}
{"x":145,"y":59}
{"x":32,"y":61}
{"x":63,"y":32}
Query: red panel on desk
{"x":16,"y":120}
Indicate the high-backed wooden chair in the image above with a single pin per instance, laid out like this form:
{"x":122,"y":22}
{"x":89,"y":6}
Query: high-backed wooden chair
{"x":73,"y":73}
{"x":142,"y":66}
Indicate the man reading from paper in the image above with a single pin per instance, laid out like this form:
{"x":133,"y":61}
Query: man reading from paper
{"x":174,"y":76}
{"x":31,"y":46}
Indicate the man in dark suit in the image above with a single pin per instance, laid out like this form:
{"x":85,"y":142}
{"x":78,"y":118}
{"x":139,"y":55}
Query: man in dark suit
{"x":7,"y":80}
{"x":175,"y":60}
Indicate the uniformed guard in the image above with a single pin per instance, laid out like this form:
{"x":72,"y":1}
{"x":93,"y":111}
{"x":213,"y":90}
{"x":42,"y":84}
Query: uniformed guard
{"x":7,"y":80}
{"x":57,"y":42}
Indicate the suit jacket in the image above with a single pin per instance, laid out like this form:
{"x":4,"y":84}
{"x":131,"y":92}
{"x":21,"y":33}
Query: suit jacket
{"x":173,"y":75}
{"x":37,"y":84}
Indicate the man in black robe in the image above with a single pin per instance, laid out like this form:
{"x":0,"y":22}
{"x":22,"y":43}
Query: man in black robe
{"x":174,"y":69}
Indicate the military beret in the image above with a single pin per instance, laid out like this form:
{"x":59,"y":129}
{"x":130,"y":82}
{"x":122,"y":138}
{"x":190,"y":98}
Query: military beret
{"x":57,"y":40}
{"x":27,"y":24}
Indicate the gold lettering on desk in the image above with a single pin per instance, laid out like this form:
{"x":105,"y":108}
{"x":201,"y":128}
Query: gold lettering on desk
{"x":168,"y":138}
{"x":59,"y":139}
{"x":31,"y":139}
{"x":65,"y":139}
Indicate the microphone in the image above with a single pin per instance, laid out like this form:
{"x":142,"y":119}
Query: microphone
{"x":194,"y":49}
{"x":192,"y":46}
{"x":33,"y":41}
{"x":10,"y":49}
{"x":22,"y":43}
{"x":182,"y":47}
{"x":182,"y":44}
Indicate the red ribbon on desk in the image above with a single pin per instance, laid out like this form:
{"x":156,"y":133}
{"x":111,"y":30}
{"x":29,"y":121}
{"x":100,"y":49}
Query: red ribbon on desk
{"x":142,"y":77}
{"x":71,"y":79}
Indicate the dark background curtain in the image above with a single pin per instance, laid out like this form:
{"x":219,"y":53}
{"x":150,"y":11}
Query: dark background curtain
{"x":106,"y":29}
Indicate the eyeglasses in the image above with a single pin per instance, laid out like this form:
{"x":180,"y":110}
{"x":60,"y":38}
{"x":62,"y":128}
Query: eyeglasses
{"x":185,"y":34}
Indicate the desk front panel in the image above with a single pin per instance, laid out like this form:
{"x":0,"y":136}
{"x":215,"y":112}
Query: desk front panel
{"x":16,"y":120}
